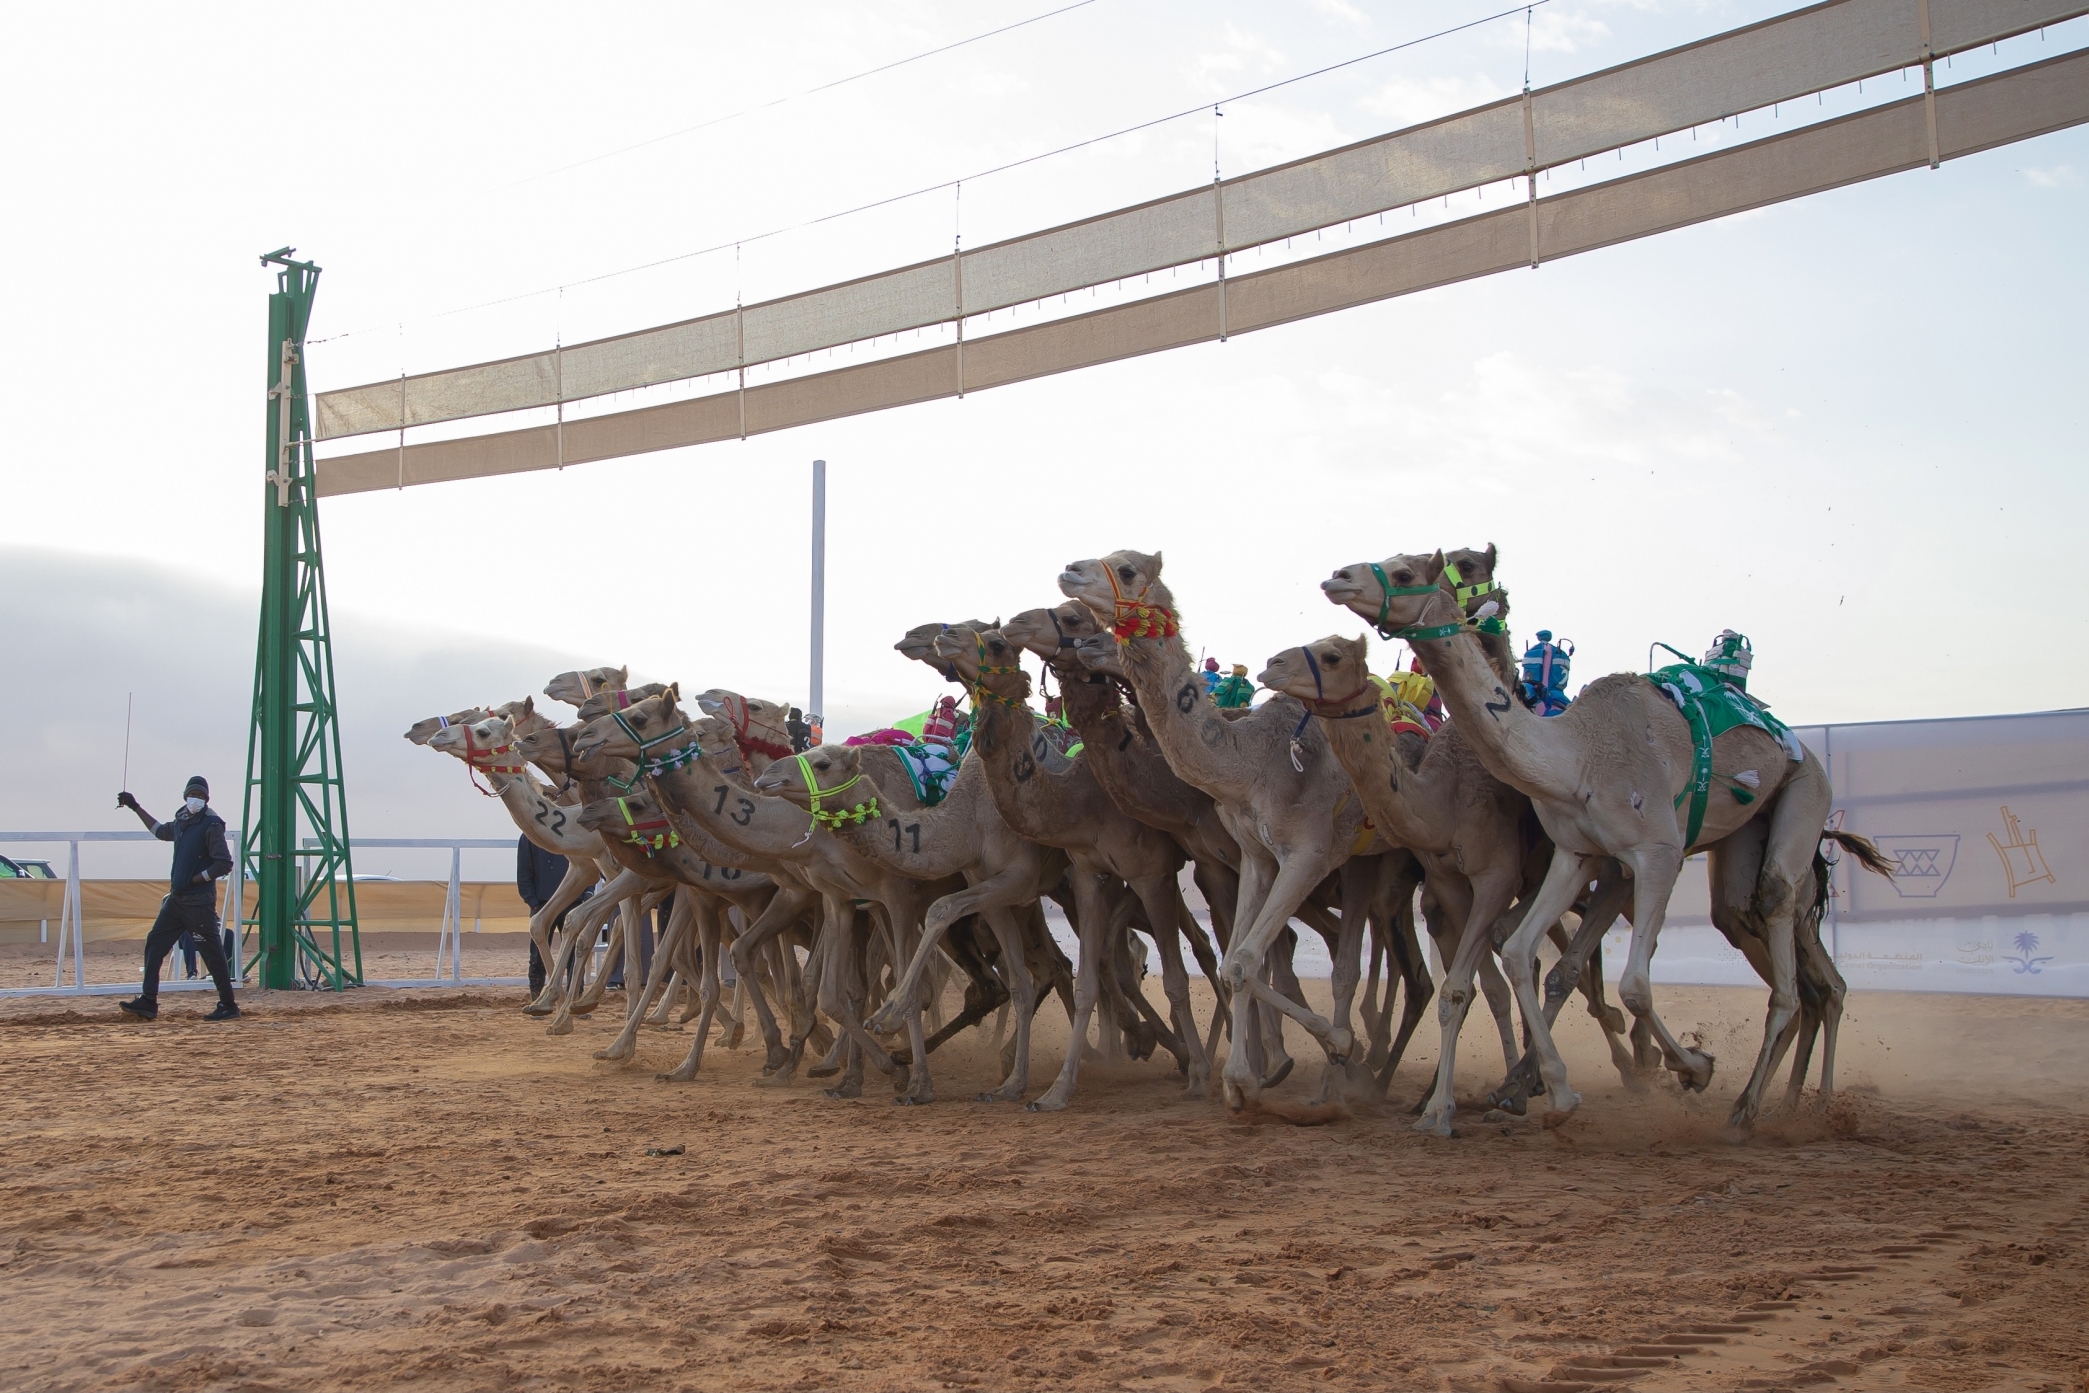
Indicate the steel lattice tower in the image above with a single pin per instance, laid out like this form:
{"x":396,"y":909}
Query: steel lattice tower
{"x":305,"y":915}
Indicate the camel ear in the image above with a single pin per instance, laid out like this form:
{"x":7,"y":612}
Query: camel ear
{"x":673,"y":693}
{"x":1490,"y":558}
{"x":1156,"y":566}
{"x":1436,"y":565}
{"x":624,"y":675}
{"x":529,"y":706}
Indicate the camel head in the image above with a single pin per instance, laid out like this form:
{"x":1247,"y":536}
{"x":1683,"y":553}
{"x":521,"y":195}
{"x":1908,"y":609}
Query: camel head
{"x":987,"y":660}
{"x":617,"y":699}
{"x":573,"y":688}
{"x":1052,"y":633}
{"x":1100,"y":652}
{"x":1471,"y":580}
{"x":617,"y":734}
{"x":487,"y":743}
{"x":833,"y":767}
{"x":550,"y":748}
{"x":1329,"y":670}
{"x":420,"y":731}
{"x":637,"y":814}
{"x":919,"y":644}
{"x":1110,"y":584}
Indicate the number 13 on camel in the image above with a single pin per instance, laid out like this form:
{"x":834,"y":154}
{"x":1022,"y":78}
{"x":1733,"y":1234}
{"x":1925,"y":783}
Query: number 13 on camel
{"x":1619,"y":774}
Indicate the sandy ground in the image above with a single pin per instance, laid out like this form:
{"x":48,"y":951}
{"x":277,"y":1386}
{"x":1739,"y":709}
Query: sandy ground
{"x":423,"y":1190}
{"x":386,"y":957}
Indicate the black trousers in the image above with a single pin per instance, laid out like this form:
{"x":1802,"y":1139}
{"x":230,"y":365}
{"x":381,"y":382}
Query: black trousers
{"x":194,"y":912}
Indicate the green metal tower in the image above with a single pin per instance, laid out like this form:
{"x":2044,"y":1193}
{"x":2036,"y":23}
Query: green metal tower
{"x":305,"y":915}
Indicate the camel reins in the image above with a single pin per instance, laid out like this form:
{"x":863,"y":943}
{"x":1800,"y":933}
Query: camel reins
{"x":652,"y":845}
{"x":1298,"y":748}
{"x":834,"y":819}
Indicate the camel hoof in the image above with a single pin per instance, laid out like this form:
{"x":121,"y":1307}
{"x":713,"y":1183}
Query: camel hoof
{"x":908,"y":1100}
{"x":780,"y":1079}
{"x":1436,"y":1124}
{"x":1236,"y":1097}
{"x":586,"y":1008}
{"x":562,"y":1026}
{"x":1048,"y":1103}
{"x":731,"y":1039}
{"x":612,"y":1052}
{"x":1557,"y":1117}
{"x":1696,"y":1074}
{"x":823,"y":1071}
{"x":1282,"y":1072}
{"x":1515,"y":1104}
{"x":852,"y":1089}
{"x":533,"y":1009}
{"x":998,"y":1096}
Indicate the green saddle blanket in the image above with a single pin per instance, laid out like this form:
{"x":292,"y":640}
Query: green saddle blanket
{"x":1713,"y":707}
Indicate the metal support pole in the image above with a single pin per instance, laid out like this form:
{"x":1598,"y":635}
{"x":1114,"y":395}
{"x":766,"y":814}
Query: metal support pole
{"x":817,"y":699}
{"x":455,"y":916}
{"x":294,"y":745}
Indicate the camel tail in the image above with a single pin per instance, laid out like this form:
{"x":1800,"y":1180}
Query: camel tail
{"x":1867,"y":854}
{"x":1302,"y":1114}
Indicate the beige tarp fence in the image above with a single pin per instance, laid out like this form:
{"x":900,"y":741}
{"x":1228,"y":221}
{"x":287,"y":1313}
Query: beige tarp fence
{"x":1987,"y":822}
{"x":1970,"y":117}
{"x":1810,"y":50}
{"x":119,"y":909}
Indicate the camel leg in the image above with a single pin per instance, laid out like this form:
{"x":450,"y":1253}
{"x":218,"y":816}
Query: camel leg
{"x":1286,"y":891}
{"x":839,"y":988}
{"x":580,"y":948}
{"x":1786,"y":888}
{"x":1163,"y":900}
{"x":579,"y":876}
{"x":707,"y":991}
{"x":678,"y":926}
{"x":1820,"y":968}
{"x":1022,"y":994}
{"x":1613,"y":892}
{"x":781,"y":913}
{"x":1004,"y":887}
{"x":1654,"y":870}
{"x":1483,"y":898}
{"x":1417,"y":987}
{"x":1563,"y":879}
{"x":1095,"y":927}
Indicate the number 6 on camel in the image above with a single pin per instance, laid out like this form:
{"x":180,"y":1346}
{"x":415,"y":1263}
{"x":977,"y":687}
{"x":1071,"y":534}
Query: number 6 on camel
{"x":1623,"y":772}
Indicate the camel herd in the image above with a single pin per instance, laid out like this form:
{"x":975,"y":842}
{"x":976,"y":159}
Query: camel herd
{"x":838,"y":896}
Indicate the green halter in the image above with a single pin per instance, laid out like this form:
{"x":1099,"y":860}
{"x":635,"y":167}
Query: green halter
{"x":1386,"y":591}
{"x":979,"y":691}
{"x":834,"y":821}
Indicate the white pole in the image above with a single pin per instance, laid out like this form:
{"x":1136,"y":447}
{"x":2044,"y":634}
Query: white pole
{"x":457,"y":915}
{"x":72,"y":894}
{"x":239,"y":903}
{"x":816,"y":700}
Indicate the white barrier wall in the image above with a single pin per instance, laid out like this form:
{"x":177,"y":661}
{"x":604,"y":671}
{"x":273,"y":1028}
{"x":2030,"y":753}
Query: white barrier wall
{"x":1987,"y":819}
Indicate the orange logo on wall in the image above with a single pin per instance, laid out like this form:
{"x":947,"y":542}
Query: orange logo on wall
{"x":2022,"y":861}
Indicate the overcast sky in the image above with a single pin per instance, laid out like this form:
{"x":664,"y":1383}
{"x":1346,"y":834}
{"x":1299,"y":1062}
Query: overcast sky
{"x":1849,"y":426}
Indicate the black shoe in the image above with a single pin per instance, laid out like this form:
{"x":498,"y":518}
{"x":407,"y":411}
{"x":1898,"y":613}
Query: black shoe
{"x":226,"y":1012}
{"x":144,"y":1008}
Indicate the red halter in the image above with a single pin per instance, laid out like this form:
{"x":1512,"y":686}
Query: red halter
{"x":477,"y":758}
{"x":1137,"y":619}
{"x":750,"y":744}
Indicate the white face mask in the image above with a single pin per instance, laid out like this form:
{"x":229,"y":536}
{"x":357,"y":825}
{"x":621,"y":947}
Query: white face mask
{"x":195,"y":805}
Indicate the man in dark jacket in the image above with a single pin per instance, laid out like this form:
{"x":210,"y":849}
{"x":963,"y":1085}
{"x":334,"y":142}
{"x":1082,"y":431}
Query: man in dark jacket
{"x":200,"y":861}
{"x":537,"y":876}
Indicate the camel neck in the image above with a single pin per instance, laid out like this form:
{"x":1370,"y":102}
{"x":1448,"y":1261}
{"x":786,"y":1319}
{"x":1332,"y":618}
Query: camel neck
{"x":1201,"y":745}
{"x":1514,"y":744}
{"x":1005,"y":739}
{"x":731,"y":812}
{"x":1405,"y":804}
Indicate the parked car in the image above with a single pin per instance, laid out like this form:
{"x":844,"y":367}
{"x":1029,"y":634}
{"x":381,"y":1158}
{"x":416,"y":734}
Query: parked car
{"x":15,"y":868}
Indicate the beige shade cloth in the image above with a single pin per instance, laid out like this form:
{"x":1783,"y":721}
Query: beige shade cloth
{"x":1792,"y":55}
{"x":120,"y":909}
{"x":1974,"y":116}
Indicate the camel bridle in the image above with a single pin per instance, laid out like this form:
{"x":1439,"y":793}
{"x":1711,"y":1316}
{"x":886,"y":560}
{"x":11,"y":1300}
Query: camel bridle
{"x":479,"y":758}
{"x":1320,"y":699}
{"x":1135,"y":618}
{"x":834,"y":819}
{"x":653,"y":845}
